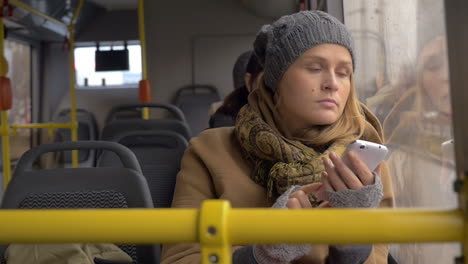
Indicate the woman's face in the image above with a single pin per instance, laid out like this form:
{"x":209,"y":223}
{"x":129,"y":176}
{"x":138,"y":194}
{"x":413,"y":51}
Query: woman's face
{"x":315,"y":88}
{"x":435,"y":78}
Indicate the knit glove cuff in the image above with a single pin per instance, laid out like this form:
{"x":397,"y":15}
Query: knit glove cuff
{"x":368,"y":196}
{"x":282,"y":201}
{"x":280,"y":253}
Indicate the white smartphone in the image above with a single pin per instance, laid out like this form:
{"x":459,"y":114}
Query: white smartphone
{"x":447,"y":148}
{"x":448,"y":152}
{"x":448,"y":172}
{"x":370,"y":153}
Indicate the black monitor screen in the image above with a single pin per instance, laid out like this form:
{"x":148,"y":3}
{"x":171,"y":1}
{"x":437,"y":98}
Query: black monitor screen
{"x":112,"y":60}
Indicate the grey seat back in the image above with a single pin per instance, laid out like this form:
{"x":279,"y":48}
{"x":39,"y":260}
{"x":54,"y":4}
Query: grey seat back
{"x":118,"y":187}
{"x":118,"y":127}
{"x":87,"y":130}
{"x":115,"y":127}
{"x":118,"y":114}
{"x":195,"y":102}
{"x":133,"y":111}
{"x":159,"y":154}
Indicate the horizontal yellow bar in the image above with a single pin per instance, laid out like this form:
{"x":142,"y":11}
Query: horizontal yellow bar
{"x":345,"y":226}
{"x":43,"y":125}
{"x":108,"y":225}
{"x":246,"y":226}
{"x":36,"y":12}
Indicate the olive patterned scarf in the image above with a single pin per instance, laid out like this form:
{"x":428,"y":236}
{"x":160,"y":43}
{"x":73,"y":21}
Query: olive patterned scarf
{"x":281,"y":161}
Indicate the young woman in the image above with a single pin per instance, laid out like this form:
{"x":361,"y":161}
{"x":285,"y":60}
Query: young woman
{"x":285,"y":148}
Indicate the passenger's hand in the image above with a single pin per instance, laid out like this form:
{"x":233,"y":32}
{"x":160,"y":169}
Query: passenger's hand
{"x":300,"y":198}
{"x":294,"y":198}
{"x":345,"y":189}
{"x":338,"y":176}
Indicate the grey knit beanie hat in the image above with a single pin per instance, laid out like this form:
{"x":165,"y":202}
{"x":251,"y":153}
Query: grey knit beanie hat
{"x":240,"y":68}
{"x":278,"y":45}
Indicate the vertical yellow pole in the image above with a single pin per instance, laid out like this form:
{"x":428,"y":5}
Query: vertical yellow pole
{"x":141,"y":33}
{"x":71,"y":54}
{"x":213,"y":232}
{"x":74,"y":122}
{"x":5,"y":150}
{"x":4,"y":114}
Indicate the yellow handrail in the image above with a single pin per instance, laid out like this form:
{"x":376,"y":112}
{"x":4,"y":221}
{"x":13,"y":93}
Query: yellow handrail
{"x":5,"y":149}
{"x":4,"y":114}
{"x":71,"y":68}
{"x":216,"y":226}
{"x":5,"y":133}
{"x":73,"y":125}
{"x":44,"y":125}
{"x":364,"y":226}
{"x":141,"y":34}
{"x":117,"y":225}
{"x":49,"y":126}
{"x":462,"y":191}
{"x":3,"y":61}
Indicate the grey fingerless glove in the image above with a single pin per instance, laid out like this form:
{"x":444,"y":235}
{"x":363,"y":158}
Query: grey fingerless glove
{"x":367,"y":197}
{"x":349,"y":255}
{"x":282,"y":201}
{"x":280,"y":253}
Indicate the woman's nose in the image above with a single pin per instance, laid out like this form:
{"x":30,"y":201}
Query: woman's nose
{"x":330,"y":82}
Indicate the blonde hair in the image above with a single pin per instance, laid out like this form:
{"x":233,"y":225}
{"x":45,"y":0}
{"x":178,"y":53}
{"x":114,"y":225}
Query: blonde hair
{"x":351,"y":122}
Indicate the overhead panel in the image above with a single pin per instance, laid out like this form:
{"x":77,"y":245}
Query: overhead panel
{"x":25,"y":23}
{"x":117,"y":4}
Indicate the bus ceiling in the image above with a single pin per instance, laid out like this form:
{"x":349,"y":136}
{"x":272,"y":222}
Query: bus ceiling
{"x":33,"y":26}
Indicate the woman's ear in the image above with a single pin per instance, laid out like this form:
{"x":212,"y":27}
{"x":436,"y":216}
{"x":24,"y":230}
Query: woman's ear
{"x":247,"y":78}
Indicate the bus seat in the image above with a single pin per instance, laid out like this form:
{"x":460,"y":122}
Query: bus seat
{"x":195,"y":102}
{"x":116,"y":187}
{"x":159,"y":154}
{"x":134,"y":111}
{"x":87,"y":130}
{"x":118,"y":127}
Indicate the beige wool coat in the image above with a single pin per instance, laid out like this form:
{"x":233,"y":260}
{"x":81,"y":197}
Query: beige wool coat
{"x":213,"y":168}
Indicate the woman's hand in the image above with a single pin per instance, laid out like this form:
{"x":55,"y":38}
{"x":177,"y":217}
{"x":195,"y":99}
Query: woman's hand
{"x":337,"y":176}
{"x":294,"y":198}
{"x":345,"y":189}
{"x":300,"y":198}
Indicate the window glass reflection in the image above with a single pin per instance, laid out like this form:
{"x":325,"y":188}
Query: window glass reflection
{"x":402,"y":75}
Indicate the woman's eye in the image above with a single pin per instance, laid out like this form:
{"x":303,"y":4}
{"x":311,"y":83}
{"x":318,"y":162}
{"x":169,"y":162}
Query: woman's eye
{"x":314,"y":69}
{"x":342,"y":74}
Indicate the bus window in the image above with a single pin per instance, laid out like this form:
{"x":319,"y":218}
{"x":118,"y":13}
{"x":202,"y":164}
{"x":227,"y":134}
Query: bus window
{"x":18,"y":55}
{"x":403,"y":77}
{"x":87,"y":77}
